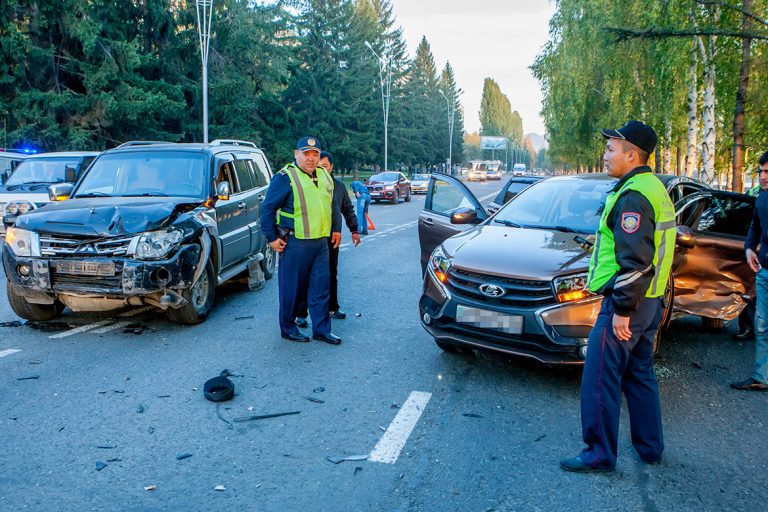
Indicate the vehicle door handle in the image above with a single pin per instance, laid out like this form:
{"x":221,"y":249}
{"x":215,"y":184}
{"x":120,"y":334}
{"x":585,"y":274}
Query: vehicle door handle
{"x":429,"y":222}
{"x":241,"y":205}
{"x":260,"y":197}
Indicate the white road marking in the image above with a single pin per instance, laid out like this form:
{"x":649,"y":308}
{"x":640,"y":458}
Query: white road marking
{"x":80,"y":329}
{"x":8,"y":352}
{"x":374,"y":235}
{"x":388,"y":448}
{"x":489,"y":195}
{"x":134,"y":312}
{"x":112,"y":327}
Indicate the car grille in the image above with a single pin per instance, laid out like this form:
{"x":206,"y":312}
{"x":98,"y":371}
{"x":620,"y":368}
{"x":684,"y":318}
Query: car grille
{"x":517,"y":292}
{"x":61,"y":281}
{"x":375,"y":189}
{"x":53,"y":245}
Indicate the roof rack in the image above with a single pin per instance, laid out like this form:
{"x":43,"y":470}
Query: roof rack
{"x":141,"y":143}
{"x":232,"y":142}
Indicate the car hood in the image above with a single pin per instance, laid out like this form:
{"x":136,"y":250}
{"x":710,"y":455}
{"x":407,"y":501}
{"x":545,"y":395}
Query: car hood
{"x":105,"y":217}
{"x":380,"y":183}
{"x":517,"y":252}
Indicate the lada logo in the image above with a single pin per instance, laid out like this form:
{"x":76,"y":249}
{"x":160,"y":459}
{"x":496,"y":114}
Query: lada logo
{"x":491,"y":290}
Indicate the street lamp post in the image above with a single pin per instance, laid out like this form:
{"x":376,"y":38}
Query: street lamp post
{"x":204,"y":19}
{"x":385,"y":78}
{"x":451,"y":118}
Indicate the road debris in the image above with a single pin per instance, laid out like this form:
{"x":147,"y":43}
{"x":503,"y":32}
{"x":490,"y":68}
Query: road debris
{"x":246,"y":317}
{"x":339,"y":460}
{"x":100,"y":465}
{"x":118,"y":391}
{"x":219,"y":488}
{"x":357,"y":470}
{"x":318,"y":389}
{"x":150,"y":487}
{"x":139,"y":409}
{"x":107,"y":447}
{"x":163,"y":396}
{"x":471,"y":415}
{"x":312,"y":399}
{"x":696,"y":365}
{"x":242,"y":419}
{"x":31,"y":377}
{"x":542,"y":436}
{"x":229,"y":373}
{"x":183,"y":456}
{"x":134,"y":328}
{"x":115,"y":460}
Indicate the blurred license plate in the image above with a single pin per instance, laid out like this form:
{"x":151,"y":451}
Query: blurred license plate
{"x":86,"y":268}
{"x":511,"y":324}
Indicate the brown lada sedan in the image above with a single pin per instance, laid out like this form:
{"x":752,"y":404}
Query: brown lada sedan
{"x":515,"y":281}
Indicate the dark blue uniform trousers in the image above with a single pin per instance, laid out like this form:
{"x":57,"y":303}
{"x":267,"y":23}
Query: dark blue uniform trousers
{"x":304,"y":279}
{"x":613,"y":367}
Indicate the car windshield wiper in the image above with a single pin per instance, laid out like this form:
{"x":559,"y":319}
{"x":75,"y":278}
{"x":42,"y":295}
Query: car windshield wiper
{"x":147,"y":194}
{"x":565,"y":229}
{"x":93,"y":194}
{"x":508,"y":223}
{"x":17,"y":185}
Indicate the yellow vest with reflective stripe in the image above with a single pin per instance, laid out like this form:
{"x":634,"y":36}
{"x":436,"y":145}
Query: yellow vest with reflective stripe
{"x":603,"y":265}
{"x":312,"y":205}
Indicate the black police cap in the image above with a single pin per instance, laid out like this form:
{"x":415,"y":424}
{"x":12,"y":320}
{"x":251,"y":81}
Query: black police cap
{"x":308,"y":144}
{"x":639,"y":134}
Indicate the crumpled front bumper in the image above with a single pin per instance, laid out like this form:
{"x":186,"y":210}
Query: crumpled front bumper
{"x":551,"y":334}
{"x":87,"y":275}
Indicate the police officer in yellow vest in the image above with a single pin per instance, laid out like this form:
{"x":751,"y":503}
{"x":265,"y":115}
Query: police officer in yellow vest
{"x":297,"y":217}
{"x":630,"y":266}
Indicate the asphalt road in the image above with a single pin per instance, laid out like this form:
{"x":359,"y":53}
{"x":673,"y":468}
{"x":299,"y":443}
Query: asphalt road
{"x":487,"y":430}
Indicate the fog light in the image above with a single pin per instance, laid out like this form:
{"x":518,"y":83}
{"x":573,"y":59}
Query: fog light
{"x":426,"y":318}
{"x":24,"y":270}
{"x":583,"y":352}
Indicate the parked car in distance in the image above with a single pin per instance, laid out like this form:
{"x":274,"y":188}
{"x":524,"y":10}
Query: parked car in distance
{"x":515,"y":281}
{"x":511,"y":188}
{"x":27,"y":188}
{"x":419,"y":183}
{"x":519,"y":170}
{"x":389,"y":186}
{"x":477,"y":175}
{"x":9,"y":160}
{"x":156,"y":224}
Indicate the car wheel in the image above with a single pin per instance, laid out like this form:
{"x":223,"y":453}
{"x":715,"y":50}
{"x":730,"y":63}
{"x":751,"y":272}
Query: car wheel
{"x":397,"y":197}
{"x":408,"y":197}
{"x":29,"y":311}
{"x":713,"y":324}
{"x":269,"y":262}
{"x":453,"y":349}
{"x":199,"y":299}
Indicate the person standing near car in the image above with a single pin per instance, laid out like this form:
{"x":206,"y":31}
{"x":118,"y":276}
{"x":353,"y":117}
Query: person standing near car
{"x":297,"y":219}
{"x":758,"y":235}
{"x":630,"y":266}
{"x":363,"y":196}
{"x":341,"y":202}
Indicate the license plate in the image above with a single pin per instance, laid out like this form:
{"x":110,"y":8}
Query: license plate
{"x":86,"y":268}
{"x":510,"y":324}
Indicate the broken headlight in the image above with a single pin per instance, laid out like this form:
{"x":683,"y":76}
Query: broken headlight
{"x":573,"y":287}
{"x":23,"y":242}
{"x":157,"y":244}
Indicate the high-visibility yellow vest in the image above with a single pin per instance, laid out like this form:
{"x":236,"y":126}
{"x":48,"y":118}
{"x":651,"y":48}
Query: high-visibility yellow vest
{"x":312,"y":204}
{"x":603,"y":265}
{"x":754,"y":191}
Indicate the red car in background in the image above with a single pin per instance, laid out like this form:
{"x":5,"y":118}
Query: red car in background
{"x":389,"y":186}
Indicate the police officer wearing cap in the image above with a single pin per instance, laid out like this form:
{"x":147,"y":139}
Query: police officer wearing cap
{"x":630,"y":266}
{"x":297,"y":218}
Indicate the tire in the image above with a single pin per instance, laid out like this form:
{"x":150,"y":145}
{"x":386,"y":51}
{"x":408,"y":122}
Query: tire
{"x":199,"y":299}
{"x":408,"y":197}
{"x":30,"y":311}
{"x":269,"y":262}
{"x":396,"y":198}
{"x":713,"y":324}
{"x":451,"y":349}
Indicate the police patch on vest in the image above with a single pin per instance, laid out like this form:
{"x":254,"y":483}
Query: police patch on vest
{"x":630,"y":222}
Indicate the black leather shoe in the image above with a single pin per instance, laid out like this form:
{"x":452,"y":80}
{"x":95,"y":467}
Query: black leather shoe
{"x":750,"y":385}
{"x":296,"y":337}
{"x":301,"y":322}
{"x":746,"y":334}
{"x":338,"y":315}
{"x":576,"y":465}
{"x":328,"y":338}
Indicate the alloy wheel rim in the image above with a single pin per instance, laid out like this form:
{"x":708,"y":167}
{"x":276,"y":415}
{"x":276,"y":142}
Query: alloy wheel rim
{"x":200,"y":291}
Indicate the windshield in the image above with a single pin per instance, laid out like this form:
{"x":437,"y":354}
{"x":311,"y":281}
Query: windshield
{"x":42,"y":170}
{"x":420,"y":177}
{"x":568,"y":204}
{"x":385,"y":176}
{"x":172,"y":173}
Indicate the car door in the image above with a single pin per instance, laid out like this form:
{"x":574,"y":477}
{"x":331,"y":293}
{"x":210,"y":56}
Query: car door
{"x":262,"y":175}
{"x":404,"y":185}
{"x":710,"y":271}
{"x":232,"y":216}
{"x":445,"y":195}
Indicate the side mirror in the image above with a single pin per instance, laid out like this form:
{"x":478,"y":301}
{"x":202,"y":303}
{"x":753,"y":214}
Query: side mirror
{"x":70,"y":174}
{"x":223,"y":191}
{"x":464,"y":216}
{"x":685,"y":237}
{"x":60,"y":191}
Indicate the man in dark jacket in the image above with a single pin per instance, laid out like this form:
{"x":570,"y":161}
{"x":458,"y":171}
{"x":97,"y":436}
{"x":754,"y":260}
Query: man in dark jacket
{"x":342,"y":204}
{"x":758,"y":235}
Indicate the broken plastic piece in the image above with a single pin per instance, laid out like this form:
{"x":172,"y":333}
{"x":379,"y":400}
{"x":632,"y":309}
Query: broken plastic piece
{"x":100,"y":465}
{"x":150,"y":487}
{"x":31,"y":377}
{"x":339,"y":460}
{"x":140,"y":409}
{"x":264,"y":416}
{"x":318,"y":389}
{"x":183,"y":456}
{"x":315,"y":400}
{"x":246,"y":317}
{"x":471,"y":415}
{"x":219,"y":488}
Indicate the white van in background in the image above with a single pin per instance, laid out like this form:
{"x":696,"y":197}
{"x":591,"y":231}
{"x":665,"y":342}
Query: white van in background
{"x":519,"y":170}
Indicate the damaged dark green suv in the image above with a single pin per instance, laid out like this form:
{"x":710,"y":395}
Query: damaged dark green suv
{"x":149,"y":223}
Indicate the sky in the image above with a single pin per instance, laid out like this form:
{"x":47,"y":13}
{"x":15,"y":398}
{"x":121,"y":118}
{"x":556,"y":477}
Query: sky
{"x":481,"y":39}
